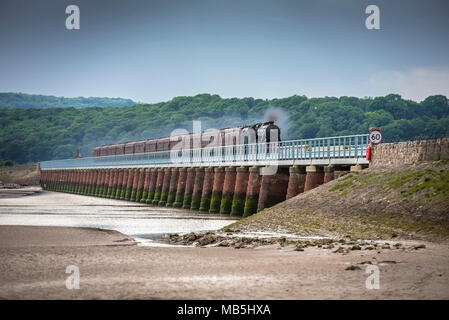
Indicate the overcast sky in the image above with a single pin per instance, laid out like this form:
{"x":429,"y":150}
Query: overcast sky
{"x":154,"y":50}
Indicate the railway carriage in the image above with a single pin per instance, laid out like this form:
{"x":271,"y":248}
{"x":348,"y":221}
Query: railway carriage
{"x":233,"y":140}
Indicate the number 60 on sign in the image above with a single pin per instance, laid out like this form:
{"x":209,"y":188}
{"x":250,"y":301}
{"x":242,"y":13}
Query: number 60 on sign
{"x":375,"y":137}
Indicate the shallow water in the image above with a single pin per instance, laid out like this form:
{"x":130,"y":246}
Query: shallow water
{"x":133,"y":219}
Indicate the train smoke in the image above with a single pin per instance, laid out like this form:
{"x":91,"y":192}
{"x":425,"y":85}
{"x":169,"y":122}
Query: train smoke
{"x":280,"y":118}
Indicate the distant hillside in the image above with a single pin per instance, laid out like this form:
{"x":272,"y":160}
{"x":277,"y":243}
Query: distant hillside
{"x":28,"y":135}
{"x":23,"y":100}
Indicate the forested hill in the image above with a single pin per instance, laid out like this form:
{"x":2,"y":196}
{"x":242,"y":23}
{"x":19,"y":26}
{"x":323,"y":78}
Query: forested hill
{"x":22,"y":100}
{"x":42,"y":134}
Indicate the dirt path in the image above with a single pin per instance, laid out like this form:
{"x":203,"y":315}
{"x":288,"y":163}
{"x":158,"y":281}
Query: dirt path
{"x":112,"y":269}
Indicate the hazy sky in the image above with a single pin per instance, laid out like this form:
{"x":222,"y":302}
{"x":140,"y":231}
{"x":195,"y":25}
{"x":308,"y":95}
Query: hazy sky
{"x":155,"y":50}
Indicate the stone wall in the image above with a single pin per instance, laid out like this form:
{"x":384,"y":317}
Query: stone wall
{"x":400,"y":153}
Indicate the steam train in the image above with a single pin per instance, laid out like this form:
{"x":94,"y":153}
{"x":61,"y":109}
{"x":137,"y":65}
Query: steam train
{"x":256,"y":133}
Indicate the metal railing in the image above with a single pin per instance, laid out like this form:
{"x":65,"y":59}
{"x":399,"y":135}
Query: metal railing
{"x":343,"y":147}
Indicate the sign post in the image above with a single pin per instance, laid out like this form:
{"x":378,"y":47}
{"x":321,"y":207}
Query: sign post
{"x":375,"y":137}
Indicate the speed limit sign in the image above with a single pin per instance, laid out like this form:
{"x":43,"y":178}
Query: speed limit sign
{"x":375,"y":137}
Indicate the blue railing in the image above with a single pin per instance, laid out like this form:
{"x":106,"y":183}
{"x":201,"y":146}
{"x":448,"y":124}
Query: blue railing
{"x":344,"y":147}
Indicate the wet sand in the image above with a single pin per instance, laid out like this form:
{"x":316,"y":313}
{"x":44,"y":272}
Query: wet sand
{"x":33,"y":261}
{"x":36,"y":236}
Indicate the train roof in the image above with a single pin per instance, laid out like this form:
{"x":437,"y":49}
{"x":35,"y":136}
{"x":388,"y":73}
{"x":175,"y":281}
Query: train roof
{"x":163,"y":137}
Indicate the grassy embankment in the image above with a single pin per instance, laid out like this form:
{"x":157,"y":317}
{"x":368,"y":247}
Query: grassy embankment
{"x":411,"y":202}
{"x":22,"y":174}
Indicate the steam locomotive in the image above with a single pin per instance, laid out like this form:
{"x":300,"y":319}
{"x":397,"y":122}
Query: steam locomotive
{"x":256,"y":133}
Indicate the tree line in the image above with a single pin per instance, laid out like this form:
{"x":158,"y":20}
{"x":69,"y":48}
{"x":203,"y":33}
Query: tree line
{"x":28,"y":135}
{"x":22,"y":100}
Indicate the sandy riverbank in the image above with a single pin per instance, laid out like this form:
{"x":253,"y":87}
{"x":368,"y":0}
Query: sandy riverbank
{"x":33,"y":261}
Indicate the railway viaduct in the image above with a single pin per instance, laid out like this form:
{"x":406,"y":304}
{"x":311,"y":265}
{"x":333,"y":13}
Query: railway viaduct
{"x":237,"y":180}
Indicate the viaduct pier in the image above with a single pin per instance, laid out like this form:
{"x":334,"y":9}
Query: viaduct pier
{"x":236,"y":180}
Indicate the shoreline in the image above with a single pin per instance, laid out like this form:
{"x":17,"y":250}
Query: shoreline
{"x":33,"y":261}
{"x":15,"y":192}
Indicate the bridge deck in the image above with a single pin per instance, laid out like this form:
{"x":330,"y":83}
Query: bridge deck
{"x":343,"y":150}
